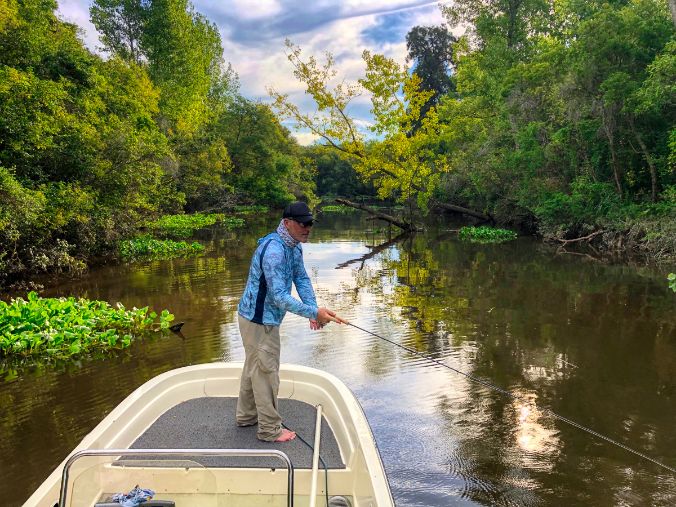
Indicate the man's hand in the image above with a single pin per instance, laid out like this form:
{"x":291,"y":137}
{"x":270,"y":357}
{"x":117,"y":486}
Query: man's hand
{"x":314,"y":325}
{"x":324,"y":316}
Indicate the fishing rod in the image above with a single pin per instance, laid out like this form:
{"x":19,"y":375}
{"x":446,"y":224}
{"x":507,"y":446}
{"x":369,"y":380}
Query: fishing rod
{"x":485,"y":383}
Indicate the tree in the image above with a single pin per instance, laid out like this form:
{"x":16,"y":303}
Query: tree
{"x":395,"y":164}
{"x":182,"y":50}
{"x":121,"y":24}
{"x":265,"y":158}
{"x":512,"y":22}
{"x":184,"y":59}
{"x":431,"y":50}
{"x":336,"y":176}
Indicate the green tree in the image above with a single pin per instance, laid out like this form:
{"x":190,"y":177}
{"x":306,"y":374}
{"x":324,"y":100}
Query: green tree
{"x":430,"y":48}
{"x":336,"y":176}
{"x":568,"y":103}
{"x":265,"y":158}
{"x":184,"y":59}
{"x":121,"y":24}
{"x":397,"y":164}
{"x":180,"y":46}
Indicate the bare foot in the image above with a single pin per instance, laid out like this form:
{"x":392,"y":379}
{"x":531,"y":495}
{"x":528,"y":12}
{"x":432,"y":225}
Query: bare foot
{"x":285,"y":436}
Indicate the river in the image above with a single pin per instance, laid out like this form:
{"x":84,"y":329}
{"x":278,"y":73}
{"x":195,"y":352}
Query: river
{"x":588,"y":340}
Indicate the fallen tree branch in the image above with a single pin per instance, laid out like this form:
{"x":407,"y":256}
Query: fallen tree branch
{"x":387,"y":218}
{"x":464,"y":211}
{"x":583,"y":238}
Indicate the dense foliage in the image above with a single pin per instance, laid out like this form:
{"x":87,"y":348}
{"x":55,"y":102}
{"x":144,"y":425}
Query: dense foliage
{"x":62,"y":327}
{"x":559,"y":118}
{"x":566,"y":117}
{"x":92,"y":149}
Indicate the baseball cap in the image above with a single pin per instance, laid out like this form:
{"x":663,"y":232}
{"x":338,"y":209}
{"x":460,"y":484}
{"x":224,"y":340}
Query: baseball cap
{"x":298,"y":211}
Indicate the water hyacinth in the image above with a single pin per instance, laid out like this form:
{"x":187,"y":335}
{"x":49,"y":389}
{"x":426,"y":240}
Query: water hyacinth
{"x":483,"y":234}
{"x":183,"y":226}
{"x":64,"y":327}
{"x":146,"y":247}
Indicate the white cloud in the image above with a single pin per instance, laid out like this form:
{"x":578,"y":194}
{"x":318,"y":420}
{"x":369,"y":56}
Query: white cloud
{"x":253,"y":33}
{"x":244,"y":9}
{"x":305,"y":138}
{"x":77,"y":12}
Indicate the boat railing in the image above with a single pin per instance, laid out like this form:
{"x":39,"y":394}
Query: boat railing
{"x":172,"y":453}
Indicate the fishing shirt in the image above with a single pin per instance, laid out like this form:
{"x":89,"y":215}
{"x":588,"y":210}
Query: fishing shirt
{"x":267,"y":302}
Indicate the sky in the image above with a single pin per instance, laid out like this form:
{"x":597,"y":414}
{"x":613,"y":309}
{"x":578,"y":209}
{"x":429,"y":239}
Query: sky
{"x":253,"y":34}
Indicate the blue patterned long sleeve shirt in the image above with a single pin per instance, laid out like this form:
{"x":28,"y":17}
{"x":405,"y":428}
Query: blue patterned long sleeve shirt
{"x":267,"y":296}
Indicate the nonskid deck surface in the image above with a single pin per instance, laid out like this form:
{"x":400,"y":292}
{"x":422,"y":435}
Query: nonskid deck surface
{"x":209,"y":423}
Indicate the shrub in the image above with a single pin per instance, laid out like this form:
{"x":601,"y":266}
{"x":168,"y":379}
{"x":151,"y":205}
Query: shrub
{"x":590,"y":204}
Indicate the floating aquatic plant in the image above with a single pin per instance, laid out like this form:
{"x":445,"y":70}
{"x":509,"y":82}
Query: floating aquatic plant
{"x":250,"y":209}
{"x":63,"y":327}
{"x":146,"y":247}
{"x":183,"y":226}
{"x":483,"y":234}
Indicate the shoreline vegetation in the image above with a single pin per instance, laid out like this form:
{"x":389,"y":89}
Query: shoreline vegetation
{"x":565,"y":132}
{"x":150,"y":246}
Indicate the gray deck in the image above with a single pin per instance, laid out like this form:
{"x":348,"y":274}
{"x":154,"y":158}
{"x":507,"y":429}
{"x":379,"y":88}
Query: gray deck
{"x":209,"y":423}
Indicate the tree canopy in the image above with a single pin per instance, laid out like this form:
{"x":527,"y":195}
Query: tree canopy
{"x":92,"y":148}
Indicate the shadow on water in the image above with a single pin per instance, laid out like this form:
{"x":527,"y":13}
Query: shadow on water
{"x":593,"y":342}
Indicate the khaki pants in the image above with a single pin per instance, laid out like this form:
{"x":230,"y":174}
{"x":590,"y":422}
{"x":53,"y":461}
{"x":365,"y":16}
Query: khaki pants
{"x":259,"y":384}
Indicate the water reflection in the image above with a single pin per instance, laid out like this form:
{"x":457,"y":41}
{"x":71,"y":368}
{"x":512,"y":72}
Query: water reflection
{"x":593,"y":342}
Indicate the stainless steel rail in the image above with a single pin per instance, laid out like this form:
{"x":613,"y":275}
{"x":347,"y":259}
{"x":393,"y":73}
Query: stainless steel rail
{"x":177,"y":452}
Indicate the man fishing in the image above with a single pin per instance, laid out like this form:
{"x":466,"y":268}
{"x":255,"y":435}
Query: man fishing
{"x":276,"y":263}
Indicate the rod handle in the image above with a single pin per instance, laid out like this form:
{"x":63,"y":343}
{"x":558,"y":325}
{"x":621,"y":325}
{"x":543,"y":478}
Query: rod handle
{"x":339,"y":320}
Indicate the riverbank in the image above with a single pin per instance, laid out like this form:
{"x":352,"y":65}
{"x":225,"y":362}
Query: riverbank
{"x":148,"y":240}
{"x":649,"y":240}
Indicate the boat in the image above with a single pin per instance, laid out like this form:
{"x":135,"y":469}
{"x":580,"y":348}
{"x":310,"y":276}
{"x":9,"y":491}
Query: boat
{"x":176,"y":436}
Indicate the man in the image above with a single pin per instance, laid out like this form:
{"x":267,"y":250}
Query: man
{"x":276,"y":263}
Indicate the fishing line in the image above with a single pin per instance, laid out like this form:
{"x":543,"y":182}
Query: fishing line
{"x":485,"y":383}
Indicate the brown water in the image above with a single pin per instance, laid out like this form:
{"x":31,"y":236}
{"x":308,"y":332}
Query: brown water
{"x":593,"y":342}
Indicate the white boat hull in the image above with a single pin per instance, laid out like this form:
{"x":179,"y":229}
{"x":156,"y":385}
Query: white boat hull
{"x":362,"y":480}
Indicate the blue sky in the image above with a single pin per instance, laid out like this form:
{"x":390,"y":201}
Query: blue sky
{"x":253,"y":33}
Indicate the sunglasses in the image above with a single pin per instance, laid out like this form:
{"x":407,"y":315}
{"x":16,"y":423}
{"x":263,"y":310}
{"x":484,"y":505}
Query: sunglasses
{"x":307,"y":225}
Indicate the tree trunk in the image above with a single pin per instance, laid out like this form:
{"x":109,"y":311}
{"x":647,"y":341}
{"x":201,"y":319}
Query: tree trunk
{"x":672,"y":8}
{"x":387,"y":218}
{"x":616,"y":172}
{"x":464,"y":211}
{"x":649,"y":159}
{"x":608,"y":122}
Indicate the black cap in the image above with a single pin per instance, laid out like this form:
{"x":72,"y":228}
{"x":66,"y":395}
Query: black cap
{"x":298,"y":211}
